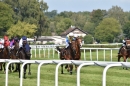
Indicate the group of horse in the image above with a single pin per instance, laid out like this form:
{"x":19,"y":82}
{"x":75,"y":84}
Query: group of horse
{"x":14,"y":54}
{"x":72,"y":52}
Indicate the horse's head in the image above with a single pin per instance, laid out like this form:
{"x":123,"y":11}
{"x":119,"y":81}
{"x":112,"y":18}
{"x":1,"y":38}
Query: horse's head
{"x":73,"y":46}
{"x":79,"y":41}
{"x":16,"y":45}
{"x":24,"y":42}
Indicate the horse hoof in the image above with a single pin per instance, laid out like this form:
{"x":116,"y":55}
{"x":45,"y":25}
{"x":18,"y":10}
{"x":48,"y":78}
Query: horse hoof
{"x":15,"y":70}
{"x":29,"y":73}
{"x":68,"y":70}
{"x":70,"y":73}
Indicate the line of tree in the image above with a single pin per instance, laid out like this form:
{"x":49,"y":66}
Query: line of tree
{"x":31,"y":18}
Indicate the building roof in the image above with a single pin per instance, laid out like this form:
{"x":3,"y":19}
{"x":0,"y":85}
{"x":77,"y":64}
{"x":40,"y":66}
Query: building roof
{"x":71,"y":29}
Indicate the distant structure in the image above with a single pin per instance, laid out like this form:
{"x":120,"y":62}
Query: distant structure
{"x":74,"y":30}
{"x":60,"y":40}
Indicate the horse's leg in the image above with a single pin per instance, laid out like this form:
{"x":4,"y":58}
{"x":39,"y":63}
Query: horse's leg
{"x":62,"y":69}
{"x":18,"y":66}
{"x":125,"y":61}
{"x":4,"y":66}
{"x":25,"y":68}
{"x":76,"y":68}
{"x":0,"y":66}
{"x":71,"y":69}
{"x":119,"y":58}
{"x":66,"y":66}
{"x":13,"y":66}
{"x":10,"y":67}
{"x":29,"y":73}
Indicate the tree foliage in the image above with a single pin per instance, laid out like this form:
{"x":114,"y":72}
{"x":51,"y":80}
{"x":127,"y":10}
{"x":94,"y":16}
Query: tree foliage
{"x":88,"y":39}
{"x":63,"y":25}
{"x":89,"y":28}
{"x":126,"y":29}
{"x":117,"y":13}
{"x":6,"y":19}
{"x":30,"y":11}
{"x":22,"y":28}
{"x":97,"y":16}
{"x":99,"y":23}
{"x":107,"y":30}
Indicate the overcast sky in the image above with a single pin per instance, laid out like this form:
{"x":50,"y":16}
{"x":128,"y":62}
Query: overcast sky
{"x":86,"y":5}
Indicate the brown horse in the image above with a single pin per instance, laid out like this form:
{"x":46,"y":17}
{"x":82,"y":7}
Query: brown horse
{"x":76,"y":45}
{"x":71,"y":53}
{"x":4,"y":55}
{"x":23,"y":55}
{"x":66,"y":54}
{"x":124,"y":52}
{"x":13,"y":53}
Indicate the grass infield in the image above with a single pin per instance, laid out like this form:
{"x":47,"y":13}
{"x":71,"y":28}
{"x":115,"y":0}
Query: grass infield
{"x":90,"y":75}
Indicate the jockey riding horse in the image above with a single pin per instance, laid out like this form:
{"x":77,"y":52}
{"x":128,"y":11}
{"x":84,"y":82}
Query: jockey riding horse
{"x":124,"y":51}
{"x":24,"y":53}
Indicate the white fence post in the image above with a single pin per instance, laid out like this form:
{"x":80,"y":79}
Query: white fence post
{"x":56,"y":71}
{"x":78,"y":71}
{"x":7,"y":66}
{"x":104,"y":55}
{"x":48,"y":47}
{"x":105,"y":71}
{"x":38,"y":71}
{"x":21,"y":72}
{"x":84,"y":55}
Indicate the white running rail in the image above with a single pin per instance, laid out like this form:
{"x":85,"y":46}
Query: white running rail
{"x":58,"y":63}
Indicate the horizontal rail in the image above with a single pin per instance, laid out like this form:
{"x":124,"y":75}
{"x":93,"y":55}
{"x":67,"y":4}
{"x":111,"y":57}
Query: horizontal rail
{"x":107,"y":65}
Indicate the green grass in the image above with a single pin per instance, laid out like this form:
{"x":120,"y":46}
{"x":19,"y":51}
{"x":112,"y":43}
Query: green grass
{"x":90,"y":75}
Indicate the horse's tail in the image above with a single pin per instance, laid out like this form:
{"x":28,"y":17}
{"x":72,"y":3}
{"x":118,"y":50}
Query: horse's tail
{"x":57,"y":47}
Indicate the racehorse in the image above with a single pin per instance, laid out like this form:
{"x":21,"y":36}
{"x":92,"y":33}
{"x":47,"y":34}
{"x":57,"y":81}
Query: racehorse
{"x":76,"y":45}
{"x":124,"y":52}
{"x":71,"y":53}
{"x":13,"y":53}
{"x":23,"y":55}
{"x":4,"y":55}
{"x":66,"y":54}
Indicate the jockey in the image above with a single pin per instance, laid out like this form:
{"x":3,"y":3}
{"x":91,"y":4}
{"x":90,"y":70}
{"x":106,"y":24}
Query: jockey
{"x":7,"y":43}
{"x":69,"y":38}
{"x":123,"y":45}
{"x":16,"y":39}
{"x":24,"y":44}
{"x":75,"y":36}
